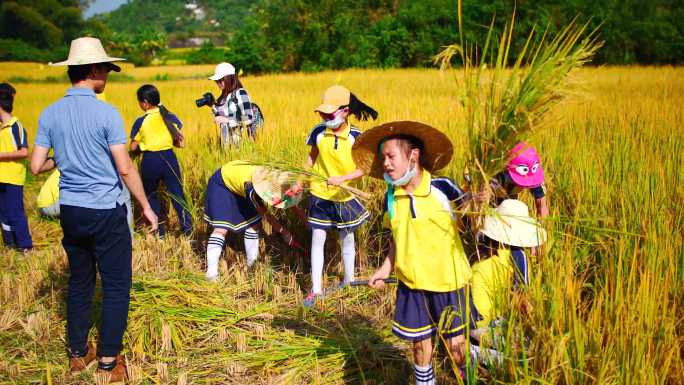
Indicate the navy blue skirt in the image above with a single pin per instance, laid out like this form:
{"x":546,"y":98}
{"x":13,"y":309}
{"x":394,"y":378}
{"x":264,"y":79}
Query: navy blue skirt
{"x":225,"y":209}
{"x":325,"y":214}
{"x":418,"y":313}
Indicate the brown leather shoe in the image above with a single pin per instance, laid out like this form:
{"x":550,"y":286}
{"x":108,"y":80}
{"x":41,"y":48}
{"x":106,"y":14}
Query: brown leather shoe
{"x":81,"y":364}
{"x":116,"y":371}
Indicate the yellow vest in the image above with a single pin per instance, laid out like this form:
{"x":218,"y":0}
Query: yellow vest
{"x":429,"y":253}
{"x":12,"y":138}
{"x":235,"y":174}
{"x":334,"y":159}
{"x":151,"y":132}
{"x":491,"y":285}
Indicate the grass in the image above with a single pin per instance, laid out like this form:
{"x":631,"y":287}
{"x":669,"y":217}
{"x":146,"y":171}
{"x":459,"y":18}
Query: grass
{"x":607,"y":293}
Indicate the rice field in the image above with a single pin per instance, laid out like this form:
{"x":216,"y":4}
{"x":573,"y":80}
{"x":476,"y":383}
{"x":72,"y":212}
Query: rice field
{"x":606,"y":294}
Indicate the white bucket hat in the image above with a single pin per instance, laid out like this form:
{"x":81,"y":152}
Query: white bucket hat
{"x":512,"y":225}
{"x":222,"y":70}
{"x":88,"y":50}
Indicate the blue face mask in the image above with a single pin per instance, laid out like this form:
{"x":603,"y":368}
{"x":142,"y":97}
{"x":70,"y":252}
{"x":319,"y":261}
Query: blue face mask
{"x":335,"y":123}
{"x":402,"y":180}
{"x":391,"y":183}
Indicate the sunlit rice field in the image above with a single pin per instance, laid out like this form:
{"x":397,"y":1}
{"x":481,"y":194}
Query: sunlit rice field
{"x":607,"y":293}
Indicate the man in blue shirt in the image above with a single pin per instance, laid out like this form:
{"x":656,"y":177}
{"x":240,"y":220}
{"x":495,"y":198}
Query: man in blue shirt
{"x":89,"y":143}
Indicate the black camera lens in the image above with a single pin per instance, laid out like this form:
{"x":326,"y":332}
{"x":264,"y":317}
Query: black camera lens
{"x":206,"y":100}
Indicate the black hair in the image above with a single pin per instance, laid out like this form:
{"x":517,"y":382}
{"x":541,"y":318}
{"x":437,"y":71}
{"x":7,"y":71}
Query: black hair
{"x":361,"y":110}
{"x":7,"y":88}
{"x":80,"y":72}
{"x":6,"y":101}
{"x":150,"y":94}
{"x":409,"y":142}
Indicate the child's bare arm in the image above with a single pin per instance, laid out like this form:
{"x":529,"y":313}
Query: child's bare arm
{"x":376,"y":280}
{"x":542,"y":207}
{"x":311,"y":158}
{"x":133,"y":147}
{"x":21,"y":153}
{"x":276,"y":226}
{"x":338,"y":180}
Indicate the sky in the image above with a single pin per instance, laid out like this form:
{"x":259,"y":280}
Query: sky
{"x":100,"y":6}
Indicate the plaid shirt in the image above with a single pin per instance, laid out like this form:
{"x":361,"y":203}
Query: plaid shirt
{"x":237,"y":107}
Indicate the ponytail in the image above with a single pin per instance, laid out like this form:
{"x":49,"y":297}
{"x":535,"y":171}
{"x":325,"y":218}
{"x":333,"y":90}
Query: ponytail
{"x":171,"y":126}
{"x":361,"y":110}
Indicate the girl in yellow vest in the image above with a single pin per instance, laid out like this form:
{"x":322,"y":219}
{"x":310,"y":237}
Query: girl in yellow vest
{"x":13,"y":151}
{"x":232,"y":204}
{"x":330,"y":207}
{"x":426,"y":252}
{"x":510,"y":227}
{"x":155,"y":134}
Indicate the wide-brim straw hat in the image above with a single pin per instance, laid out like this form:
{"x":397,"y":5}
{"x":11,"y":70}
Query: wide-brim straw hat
{"x":272,"y":186}
{"x":437,"y":148}
{"x":88,"y":50}
{"x":511,"y":224}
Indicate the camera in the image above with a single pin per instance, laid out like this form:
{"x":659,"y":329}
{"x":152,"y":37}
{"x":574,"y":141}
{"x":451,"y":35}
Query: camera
{"x":206,"y":100}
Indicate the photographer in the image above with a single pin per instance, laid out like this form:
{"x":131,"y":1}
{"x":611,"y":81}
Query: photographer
{"x":233,"y":110}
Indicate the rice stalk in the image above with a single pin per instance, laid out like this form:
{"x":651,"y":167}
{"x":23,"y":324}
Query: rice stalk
{"x":506,"y":101}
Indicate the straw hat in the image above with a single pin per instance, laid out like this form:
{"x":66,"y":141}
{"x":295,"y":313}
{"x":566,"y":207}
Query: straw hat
{"x":222,"y":70}
{"x":334,"y":98}
{"x":512,"y":225}
{"x":437,"y":148}
{"x":88,"y":50}
{"x":273,"y":186}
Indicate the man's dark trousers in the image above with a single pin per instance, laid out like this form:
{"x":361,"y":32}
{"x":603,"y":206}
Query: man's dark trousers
{"x":96,"y":239}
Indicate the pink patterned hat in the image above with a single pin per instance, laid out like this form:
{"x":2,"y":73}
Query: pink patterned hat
{"x":525,"y":166}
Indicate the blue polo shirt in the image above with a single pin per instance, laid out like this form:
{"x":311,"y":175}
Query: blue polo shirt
{"x":80,"y":129}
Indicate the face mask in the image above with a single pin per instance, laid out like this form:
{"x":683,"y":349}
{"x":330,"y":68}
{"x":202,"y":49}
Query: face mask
{"x":403,"y":180}
{"x":336,"y":121}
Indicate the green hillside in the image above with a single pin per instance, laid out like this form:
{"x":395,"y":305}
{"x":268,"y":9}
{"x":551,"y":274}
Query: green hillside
{"x":172,"y":16}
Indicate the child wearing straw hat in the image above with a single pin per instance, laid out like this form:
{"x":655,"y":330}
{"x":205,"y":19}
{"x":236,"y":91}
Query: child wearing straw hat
{"x":13,"y":152}
{"x":155,"y":134}
{"x":426,"y":251}
{"x":509,"y":226}
{"x":331,"y":207}
{"x":233,"y":204}
{"x":523,"y":172}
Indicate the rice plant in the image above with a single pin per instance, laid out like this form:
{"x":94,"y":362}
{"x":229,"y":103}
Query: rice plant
{"x":607,"y":295}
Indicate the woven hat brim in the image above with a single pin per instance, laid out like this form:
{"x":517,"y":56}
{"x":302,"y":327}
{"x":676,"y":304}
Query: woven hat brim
{"x":270,"y":184}
{"x":105,"y":59}
{"x":514,"y":231}
{"x":437,"y":152}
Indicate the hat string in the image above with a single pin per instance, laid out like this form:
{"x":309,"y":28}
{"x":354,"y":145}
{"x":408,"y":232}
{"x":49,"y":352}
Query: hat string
{"x":389,"y":197}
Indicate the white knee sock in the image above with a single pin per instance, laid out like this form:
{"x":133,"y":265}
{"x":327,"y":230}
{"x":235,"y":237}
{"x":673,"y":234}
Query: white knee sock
{"x":214,"y":250}
{"x":251,"y":246}
{"x":348,"y":254}
{"x":317,"y":247}
{"x":425,"y":375}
